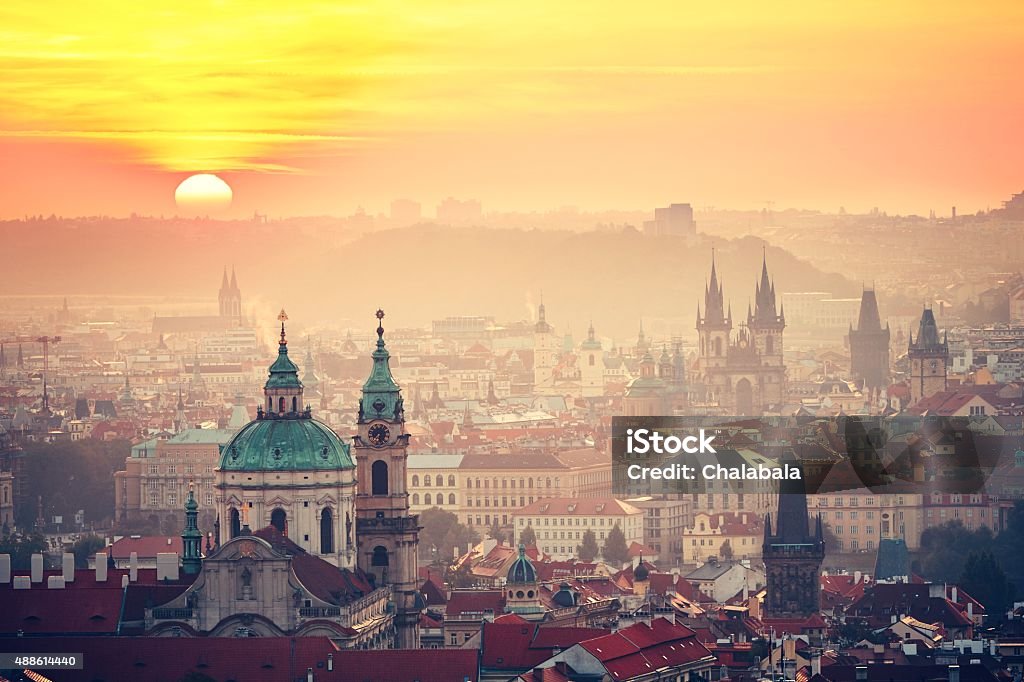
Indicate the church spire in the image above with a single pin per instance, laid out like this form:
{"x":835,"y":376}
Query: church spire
{"x":381,"y":394}
{"x":283,"y":389}
{"x":191,"y":537}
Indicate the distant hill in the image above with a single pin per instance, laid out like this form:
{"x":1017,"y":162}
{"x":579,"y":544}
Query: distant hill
{"x":328,"y":273}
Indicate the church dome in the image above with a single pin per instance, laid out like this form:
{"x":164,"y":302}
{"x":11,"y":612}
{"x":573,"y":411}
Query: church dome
{"x":522,"y":570}
{"x":641,"y":572}
{"x":296,"y":444}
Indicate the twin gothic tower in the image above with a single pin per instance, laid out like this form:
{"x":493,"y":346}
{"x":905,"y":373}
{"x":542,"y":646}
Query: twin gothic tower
{"x":745,"y":374}
{"x":288,"y":470}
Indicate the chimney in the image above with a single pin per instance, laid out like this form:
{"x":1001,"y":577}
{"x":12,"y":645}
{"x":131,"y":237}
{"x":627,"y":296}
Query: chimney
{"x":954,"y":594}
{"x":815,"y":663}
{"x":856,"y":577}
{"x":37,"y":568}
{"x":330,"y":662}
{"x":68,"y":567}
{"x":309,"y":675}
{"x":5,"y":569}
{"x":954,"y":673}
{"x":167,"y":566}
{"x":55,"y":582}
{"x":124,"y":581}
{"x":970,"y":609}
{"x":861,"y":672}
{"x":101,"y":567}
{"x":22,"y":582}
{"x":133,"y":566}
{"x":936,"y":590}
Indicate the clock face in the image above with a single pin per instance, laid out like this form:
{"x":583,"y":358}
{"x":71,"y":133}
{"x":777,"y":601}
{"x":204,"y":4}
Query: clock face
{"x":378,"y":435}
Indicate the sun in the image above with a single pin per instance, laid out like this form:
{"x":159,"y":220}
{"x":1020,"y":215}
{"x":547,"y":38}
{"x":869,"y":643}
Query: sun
{"x":203,"y":193}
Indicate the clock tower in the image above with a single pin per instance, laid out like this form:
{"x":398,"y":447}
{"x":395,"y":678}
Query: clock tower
{"x":387,"y":533}
{"x":929,"y":355}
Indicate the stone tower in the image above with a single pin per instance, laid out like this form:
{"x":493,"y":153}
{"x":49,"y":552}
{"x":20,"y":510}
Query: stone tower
{"x":191,"y":537}
{"x":869,"y":344}
{"x":929,"y":356}
{"x":388,"y":534}
{"x":766,"y":324}
{"x":545,"y":352}
{"x":792,"y":556}
{"x":592,"y":366}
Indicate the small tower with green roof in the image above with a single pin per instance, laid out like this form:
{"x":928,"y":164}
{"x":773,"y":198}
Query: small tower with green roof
{"x":191,"y":537}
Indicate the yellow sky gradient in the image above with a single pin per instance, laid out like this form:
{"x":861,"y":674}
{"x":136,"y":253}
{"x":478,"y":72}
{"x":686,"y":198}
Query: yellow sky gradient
{"x":321,"y":106}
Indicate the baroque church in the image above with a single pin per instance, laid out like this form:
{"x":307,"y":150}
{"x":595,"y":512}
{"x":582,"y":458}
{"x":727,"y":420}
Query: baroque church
{"x":334,"y":550}
{"x":741,"y":374}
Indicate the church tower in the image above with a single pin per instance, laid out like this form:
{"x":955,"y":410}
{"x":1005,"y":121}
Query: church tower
{"x":545,"y":352}
{"x":592,"y":366}
{"x":388,"y":534}
{"x":928,"y":357}
{"x":869,"y":344}
{"x":715,"y":326}
{"x":191,"y":537}
{"x":792,"y":555}
{"x":230,"y":299}
{"x":766,"y":324}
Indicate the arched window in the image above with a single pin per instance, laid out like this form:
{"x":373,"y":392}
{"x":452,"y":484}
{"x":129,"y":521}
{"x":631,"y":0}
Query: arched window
{"x":295,"y":404}
{"x":379,"y":478}
{"x":427,"y":498}
{"x":549,"y":483}
{"x":440,"y":500}
{"x":326,"y":531}
{"x":415,"y":498}
{"x":279,"y":520}
{"x":415,"y":481}
{"x":280,"y":404}
{"x":270,"y":404}
{"x":439,"y":481}
{"x":451,"y":480}
{"x":380,"y":556}
{"x":426,"y":481}
{"x":236,"y":523}
{"x":531,"y":482}
{"x":451,"y":498}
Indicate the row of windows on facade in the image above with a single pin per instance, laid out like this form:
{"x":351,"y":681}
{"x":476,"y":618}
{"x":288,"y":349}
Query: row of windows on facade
{"x":172,"y":499}
{"x":568,"y":535}
{"x":154,"y":469}
{"x":855,"y":500}
{"x":511,"y":483}
{"x":580,"y":521}
{"x":715,"y":543}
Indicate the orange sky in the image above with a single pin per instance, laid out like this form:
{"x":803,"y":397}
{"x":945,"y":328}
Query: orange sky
{"x":322,"y":106}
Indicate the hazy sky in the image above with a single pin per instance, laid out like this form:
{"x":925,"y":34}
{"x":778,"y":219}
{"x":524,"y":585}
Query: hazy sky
{"x":318,"y":107}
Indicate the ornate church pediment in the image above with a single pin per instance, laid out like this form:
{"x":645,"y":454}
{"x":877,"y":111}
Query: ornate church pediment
{"x":245,"y":547}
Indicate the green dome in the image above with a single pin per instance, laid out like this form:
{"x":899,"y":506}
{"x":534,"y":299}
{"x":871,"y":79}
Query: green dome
{"x":290,"y":444}
{"x":522,"y":570}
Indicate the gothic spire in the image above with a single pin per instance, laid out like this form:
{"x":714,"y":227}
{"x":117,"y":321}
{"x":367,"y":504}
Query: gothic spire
{"x":381,"y":394}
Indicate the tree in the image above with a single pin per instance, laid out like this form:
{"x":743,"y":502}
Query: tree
{"x":442,"y":533}
{"x":69,"y":477}
{"x":528,"y":537}
{"x":985,"y":580}
{"x":587,"y":550}
{"x":726,"y":550}
{"x":86,"y":547}
{"x":830,"y":539}
{"x":496,"y":532}
{"x":461,"y":576}
{"x":21,"y":547}
{"x":615,"y":551}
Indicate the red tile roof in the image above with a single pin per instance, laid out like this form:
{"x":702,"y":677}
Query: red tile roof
{"x":641,"y":649}
{"x":514,"y":644}
{"x":474,"y":602}
{"x":147,"y":546}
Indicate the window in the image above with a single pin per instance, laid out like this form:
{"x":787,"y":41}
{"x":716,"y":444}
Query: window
{"x":427,"y":499}
{"x":326,"y":531}
{"x":415,"y":481}
{"x":439,"y":479}
{"x":415,"y":498}
{"x":451,"y":480}
{"x":379,"y":478}
{"x":426,"y":481}
{"x":451,"y":498}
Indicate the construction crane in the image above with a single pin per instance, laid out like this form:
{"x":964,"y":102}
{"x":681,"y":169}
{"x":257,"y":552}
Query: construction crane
{"x":45,"y":341}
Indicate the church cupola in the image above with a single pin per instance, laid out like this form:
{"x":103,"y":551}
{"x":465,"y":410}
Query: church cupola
{"x":522,"y":591}
{"x":283,"y":390}
{"x":381,"y":394}
{"x":191,"y":537}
